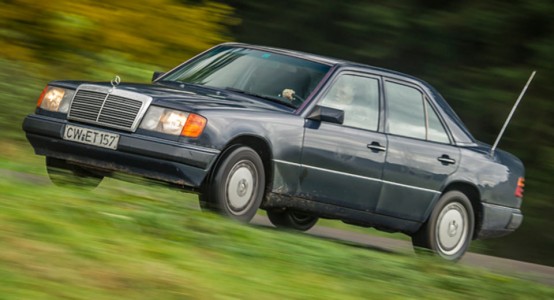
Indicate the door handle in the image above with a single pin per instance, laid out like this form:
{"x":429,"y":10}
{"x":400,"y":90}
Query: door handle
{"x":446,"y":160}
{"x":375,"y":146}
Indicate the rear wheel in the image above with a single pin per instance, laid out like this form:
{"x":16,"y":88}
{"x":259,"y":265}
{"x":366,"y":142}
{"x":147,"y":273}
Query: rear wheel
{"x":291,"y":219}
{"x":238,"y":185}
{"x":449,"y":230}
{"x":64,"y":174}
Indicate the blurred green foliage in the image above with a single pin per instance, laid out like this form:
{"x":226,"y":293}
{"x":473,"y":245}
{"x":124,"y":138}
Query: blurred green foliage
{"x":477,"y":53}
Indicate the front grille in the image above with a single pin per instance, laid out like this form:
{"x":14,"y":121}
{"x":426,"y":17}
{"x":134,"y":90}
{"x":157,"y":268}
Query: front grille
{"x":108,"y":107}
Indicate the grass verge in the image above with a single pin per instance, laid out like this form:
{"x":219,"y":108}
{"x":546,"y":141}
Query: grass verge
{"x":142,"y":241}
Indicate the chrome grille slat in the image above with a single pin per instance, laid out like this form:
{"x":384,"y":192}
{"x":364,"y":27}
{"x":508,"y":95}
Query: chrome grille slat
{"x":118,"y":116}
{"x":134,"y":104}
{"x":115,"y":117}
{"x":124,"y":101}
{"x":84,"y":115}
{"x":108,"y":119}
{"x":87,"y":107}
{"x":109,"y":107}
{"x":104,"y":121}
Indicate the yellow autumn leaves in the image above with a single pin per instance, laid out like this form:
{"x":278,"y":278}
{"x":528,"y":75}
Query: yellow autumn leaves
{"x":162,"y":31}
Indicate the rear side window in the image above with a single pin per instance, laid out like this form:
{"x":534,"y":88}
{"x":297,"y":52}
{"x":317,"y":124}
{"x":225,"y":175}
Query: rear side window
{"x":406,"y":115}
{"x":409,"y":114}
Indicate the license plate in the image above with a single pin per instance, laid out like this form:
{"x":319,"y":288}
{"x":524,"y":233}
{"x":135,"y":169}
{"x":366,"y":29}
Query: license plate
{"x":91,"y":136}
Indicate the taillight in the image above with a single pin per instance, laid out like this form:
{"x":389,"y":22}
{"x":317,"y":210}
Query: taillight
{"x":519,"y":187}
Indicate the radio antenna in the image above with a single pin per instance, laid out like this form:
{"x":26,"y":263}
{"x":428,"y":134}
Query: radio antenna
{"x":512,"y":112}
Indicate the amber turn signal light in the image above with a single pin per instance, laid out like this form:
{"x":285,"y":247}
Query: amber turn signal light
{"x":194,"y":126}
{"x":41,"y":97}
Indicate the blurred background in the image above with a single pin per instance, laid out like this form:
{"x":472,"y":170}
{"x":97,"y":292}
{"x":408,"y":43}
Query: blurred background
{"x":479,"y":54}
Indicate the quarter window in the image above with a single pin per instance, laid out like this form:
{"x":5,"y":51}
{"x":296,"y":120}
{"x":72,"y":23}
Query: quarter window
{"x":435,"y":131}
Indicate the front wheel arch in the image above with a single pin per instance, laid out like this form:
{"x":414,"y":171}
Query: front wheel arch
{"x":238,"y":185}
{"x":259,"y":145}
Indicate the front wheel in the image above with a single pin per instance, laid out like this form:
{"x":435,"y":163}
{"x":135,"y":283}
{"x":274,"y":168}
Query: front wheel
{"x":291,"y":219}
{"x":238,"y":185}
{"x":449,"y":230}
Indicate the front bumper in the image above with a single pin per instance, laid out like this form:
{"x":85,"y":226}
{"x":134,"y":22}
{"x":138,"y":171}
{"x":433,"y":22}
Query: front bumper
{"x":136,"y":154}
{"x":498,"y":221}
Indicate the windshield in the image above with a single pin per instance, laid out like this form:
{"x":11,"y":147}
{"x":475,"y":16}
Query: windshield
{"x":254,"y":72}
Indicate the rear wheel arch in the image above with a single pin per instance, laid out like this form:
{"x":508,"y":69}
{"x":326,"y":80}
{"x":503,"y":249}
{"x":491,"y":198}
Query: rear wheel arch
{"x":474,"y":196}
{"x":449,"y":229}
{"x":453,"y":222}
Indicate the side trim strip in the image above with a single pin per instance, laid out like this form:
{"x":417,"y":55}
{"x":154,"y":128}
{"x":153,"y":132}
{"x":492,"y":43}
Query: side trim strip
{"x":411,"y":187}
{"x":357,"y":176}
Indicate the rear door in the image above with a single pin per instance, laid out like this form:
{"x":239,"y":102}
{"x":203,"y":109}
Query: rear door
{"x":420,"y":154}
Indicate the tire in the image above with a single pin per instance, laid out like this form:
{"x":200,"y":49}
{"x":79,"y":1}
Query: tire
{"x":238,"y":186}
{"x":291,"y":219}
{"x":206,"y":203}
{"x":63,"y":174}
{"x":449,"y":229}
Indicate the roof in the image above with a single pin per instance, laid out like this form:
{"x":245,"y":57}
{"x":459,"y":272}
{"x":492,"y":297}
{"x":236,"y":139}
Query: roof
{"x":321,"y":59}
{"x":459,"y":130}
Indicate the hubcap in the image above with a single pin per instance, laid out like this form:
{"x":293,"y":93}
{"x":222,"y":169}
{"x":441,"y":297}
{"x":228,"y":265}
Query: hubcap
{"x":242,"y":189}
{"x":452,"y":228}
{"x":240,"y":186}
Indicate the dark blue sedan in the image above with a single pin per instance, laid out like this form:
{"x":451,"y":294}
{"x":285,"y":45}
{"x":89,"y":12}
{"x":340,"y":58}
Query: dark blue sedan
{"x":299,"y":135}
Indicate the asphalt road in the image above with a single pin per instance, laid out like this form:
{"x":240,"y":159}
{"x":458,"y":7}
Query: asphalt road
{"x":529,"y":271}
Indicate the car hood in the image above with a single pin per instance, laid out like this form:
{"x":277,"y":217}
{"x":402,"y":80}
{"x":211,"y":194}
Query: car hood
{"x":190,"y":98}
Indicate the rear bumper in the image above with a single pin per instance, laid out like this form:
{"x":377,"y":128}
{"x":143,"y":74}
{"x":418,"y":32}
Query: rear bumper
{"x":136,"y":154}
{"x":499,"y":221}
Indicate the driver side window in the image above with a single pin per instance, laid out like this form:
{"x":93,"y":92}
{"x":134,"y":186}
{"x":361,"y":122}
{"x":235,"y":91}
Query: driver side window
{"x":358,"y":97}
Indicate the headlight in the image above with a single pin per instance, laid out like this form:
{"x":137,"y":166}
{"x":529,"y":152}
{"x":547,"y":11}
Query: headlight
{"x":55,"y":99}
{"x":173,"y":122}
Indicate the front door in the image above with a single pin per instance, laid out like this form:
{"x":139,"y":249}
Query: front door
{"x":343,"y":163}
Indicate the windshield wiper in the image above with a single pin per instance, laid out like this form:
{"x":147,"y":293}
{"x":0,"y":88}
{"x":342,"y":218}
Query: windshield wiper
{"x":195,"y":86}
{"x":267,"y":97}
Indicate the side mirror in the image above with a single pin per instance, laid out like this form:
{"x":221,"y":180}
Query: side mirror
{"x":327,"y":114}
{"x":156,"y":75}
